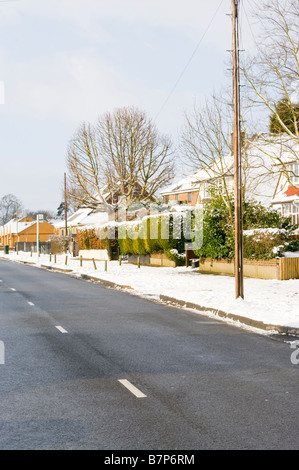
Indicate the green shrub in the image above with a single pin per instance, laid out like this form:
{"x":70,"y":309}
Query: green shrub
{"x":218,"y":231}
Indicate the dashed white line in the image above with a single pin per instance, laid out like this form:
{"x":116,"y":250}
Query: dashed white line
{"x":132,"y":388}
{"x":12,"y":288}
{"x":30,"y":303}
{"x":62,"y":330}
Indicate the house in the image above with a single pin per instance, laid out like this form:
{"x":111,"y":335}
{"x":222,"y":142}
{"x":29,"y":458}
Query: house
{"x":286,"y":196}
{"x":82,"y":218}
{"x":97,"y":215}
{"x":196,"y":188}
{"x":73,"y":222}
{"x":260,"y":172}
{"x":24,"y":230}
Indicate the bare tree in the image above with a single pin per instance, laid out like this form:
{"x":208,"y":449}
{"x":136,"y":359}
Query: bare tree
{"x":121,"y":154}
{"x":48,"y":214}
{"x":273,"y":77}
{"x":206,"y":134}
{"x":206,"y":141}
{"x":10,"y":206}
{"x":86,"y":175}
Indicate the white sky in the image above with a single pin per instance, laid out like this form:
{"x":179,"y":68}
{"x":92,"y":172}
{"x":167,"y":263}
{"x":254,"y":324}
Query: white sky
{"x":65,"y":61}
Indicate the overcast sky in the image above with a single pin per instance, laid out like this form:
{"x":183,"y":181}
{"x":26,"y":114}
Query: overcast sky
{"x":65,"y":61}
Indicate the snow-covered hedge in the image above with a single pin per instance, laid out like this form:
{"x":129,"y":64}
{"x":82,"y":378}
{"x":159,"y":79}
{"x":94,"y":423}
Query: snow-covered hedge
{"x":163,"y":233}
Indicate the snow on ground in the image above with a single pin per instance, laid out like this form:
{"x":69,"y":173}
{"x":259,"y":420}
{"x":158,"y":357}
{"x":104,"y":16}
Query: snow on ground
{"x":270,"y":301}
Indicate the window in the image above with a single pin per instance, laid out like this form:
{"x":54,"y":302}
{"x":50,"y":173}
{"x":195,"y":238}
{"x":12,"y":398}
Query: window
{"x":295,"y":214}
{"x":166,"y":199}
{"x":176,"y":197}
{"x":291,"y":210}
{"x":189,"y":197}
{"x":294,"y":173}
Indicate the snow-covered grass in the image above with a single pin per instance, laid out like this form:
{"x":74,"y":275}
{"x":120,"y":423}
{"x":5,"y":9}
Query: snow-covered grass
{"x":270,"y":301}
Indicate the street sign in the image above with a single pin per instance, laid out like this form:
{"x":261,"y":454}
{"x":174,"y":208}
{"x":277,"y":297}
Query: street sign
{"x":40,"y":217}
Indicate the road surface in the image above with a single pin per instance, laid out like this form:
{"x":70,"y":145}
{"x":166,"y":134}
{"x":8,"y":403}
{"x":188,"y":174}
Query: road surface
{"x":87,"y":367}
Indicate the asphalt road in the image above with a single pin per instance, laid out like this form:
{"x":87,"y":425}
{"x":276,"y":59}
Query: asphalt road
{"x":72,"y":349}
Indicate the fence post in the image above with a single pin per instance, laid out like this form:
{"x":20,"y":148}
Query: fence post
{"x":81,"y":261}
{"x":54,"y":258}
{"x":65,"y":260}
{"x":50,"y":257}
{"x":278,"y":268}
{"x":119,"y":260}
{"x":105,"y":265}
{"x":138,"y":263}
{"x":94,"y":263}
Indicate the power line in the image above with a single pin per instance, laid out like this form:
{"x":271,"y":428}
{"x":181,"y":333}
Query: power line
{"x":189,"y":61}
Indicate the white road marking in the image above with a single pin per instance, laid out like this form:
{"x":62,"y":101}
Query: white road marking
{"x":12,"y":288}
{"x":132,"y":389}
{"x":62,"y":330}
{"x":30,"y":303}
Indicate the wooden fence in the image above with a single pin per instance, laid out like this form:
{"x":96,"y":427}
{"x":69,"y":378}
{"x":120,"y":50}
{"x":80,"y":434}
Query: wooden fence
{"x":288,"y":268}
{"x":276,"y":268}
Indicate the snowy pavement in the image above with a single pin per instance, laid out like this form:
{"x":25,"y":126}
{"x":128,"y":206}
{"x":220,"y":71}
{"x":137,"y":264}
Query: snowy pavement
{"x":272,"y":302}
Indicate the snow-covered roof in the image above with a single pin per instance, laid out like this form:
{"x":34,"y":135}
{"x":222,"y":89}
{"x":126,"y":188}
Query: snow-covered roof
{"x":95,"y":219}
{"x":281,"y":198}
{"x":75,"y":218}
{"x":261,"y":157}
{"x":192,"y":182}
{"x":16,"y":227}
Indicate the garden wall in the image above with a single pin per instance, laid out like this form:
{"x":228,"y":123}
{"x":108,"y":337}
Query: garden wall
{"x":158,"y":259}
{"x":99,"y":255}
{"x":277,"y":268}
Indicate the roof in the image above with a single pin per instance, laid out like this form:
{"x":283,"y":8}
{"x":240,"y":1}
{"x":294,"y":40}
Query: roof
{"x":75,"y":218}
{"x":262,"y":155}
{"x":192,"y":182}
{"x":96,"y":218}
{"x":15,"y":227}
{"x":85,"y":217}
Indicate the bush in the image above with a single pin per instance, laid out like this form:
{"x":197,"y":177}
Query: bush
{"x":267,"y":243}
{"x":59,"y":244}
{"x":218,"y":232}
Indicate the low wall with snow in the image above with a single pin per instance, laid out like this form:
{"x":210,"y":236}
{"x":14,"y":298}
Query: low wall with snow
{"x":99,"y":255}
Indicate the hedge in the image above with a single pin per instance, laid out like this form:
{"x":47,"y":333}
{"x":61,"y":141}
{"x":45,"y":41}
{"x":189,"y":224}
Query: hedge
{"x":163,"y":233}
{"x":156,"y":234}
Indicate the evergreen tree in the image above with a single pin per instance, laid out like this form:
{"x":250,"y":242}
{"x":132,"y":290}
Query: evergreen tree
{"x":289,"y":115}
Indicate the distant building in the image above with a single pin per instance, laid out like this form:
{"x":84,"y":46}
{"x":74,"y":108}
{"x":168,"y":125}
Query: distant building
{"x":83,"y":217}
{"x":24,"y":230}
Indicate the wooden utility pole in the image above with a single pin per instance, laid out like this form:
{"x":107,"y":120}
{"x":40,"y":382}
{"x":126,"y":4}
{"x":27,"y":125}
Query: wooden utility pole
{"x":65,"y":205}
{"x":239,"y":283}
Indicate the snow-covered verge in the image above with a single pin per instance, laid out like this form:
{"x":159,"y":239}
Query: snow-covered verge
{"x":270,"y":301}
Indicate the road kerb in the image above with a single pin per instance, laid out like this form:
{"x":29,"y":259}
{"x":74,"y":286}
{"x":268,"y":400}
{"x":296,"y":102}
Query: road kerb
{"x":285,"y":330}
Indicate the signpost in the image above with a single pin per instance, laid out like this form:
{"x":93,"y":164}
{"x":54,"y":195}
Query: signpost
{"x":39,"y":219}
